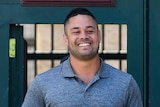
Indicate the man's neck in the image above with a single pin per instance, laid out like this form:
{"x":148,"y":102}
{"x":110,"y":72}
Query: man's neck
{"x":85,"y":69}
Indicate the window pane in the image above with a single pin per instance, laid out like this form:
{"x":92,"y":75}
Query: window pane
{"x":43,"y":37}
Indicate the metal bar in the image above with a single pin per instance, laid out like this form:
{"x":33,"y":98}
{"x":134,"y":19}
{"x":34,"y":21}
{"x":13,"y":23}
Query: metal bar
{"x":35,"y":48}
{"x":103,"y":33}
{"x":42,"y":56}
{"x":120,"y":45}
{"x":146,"y":52}
{"x":52,"y":41}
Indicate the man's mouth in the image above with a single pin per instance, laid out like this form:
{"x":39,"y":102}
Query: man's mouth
{"x":84,"y":44}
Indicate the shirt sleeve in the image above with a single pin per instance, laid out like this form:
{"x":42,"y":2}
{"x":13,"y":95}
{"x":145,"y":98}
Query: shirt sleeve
{"x":134,"y":95}
{"x":34,"y":96}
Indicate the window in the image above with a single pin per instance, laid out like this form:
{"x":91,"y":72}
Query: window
{"x":46,"y":46}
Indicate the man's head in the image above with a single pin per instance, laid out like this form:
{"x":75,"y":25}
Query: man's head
{"x":78,"y":11}
{"x":81,"y":34}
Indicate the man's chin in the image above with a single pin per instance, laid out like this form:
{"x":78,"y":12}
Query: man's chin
{"x":86,"y":57}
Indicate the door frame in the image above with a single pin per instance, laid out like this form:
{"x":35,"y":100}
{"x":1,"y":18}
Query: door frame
{"x":127,"y":12}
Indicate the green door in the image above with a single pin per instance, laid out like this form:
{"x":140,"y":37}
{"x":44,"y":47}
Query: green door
{"x":126,"y":12}
{"x":17,"y":66}
{"x":154,"y":53}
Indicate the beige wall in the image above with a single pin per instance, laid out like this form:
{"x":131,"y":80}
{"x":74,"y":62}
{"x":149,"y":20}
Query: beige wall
{"x":43,"y":41}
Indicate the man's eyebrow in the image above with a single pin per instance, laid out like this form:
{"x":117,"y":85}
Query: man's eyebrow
{"x":90,"y":27}
{"x":74,"y":28}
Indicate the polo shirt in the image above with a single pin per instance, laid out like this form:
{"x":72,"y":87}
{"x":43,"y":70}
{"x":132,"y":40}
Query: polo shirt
{"x":60,"y":87}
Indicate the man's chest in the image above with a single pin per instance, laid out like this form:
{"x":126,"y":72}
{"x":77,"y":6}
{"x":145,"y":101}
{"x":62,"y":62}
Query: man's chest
{"x":78,"y":96}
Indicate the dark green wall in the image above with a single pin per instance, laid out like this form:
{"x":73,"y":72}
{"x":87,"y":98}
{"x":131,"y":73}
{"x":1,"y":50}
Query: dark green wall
{"x":154,"y":53}
{"x":143,"y":38}
{"x":10,"y":2}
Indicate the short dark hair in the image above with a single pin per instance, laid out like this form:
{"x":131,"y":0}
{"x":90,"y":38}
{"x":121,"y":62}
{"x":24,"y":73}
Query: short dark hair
{"x":81,"y":11}
{"x":77,"y":11}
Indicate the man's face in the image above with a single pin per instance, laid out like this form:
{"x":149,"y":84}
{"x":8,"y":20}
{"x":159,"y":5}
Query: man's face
{"x":82,"y":37}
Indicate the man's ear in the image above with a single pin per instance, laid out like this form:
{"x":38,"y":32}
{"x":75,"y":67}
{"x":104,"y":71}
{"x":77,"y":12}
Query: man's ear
{"x":65,"y":38}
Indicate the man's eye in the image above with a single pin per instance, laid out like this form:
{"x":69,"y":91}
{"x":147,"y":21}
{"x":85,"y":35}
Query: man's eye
{"x":76,"y":32}
{"x":90,"y":31}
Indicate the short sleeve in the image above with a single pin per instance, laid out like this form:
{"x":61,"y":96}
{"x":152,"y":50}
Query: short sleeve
{"x":34,"y":95}
{"x":134,"y":95}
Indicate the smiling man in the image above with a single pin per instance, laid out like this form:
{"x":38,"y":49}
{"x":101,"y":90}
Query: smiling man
{"x":83,"y":80}
{"x":82,"y":37}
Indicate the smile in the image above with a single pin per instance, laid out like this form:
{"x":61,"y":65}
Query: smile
{"x":84,"y":44}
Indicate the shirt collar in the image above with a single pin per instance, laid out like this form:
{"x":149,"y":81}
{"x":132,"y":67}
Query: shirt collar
{"x":103,"y":72}
{"x":68,"y":71}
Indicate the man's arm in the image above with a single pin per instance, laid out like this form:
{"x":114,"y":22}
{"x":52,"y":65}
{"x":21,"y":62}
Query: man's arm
{"x":134,"y":95}
{"x":34,"y":96}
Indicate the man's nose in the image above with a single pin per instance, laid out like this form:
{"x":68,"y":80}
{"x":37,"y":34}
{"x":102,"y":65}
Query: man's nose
{"x":84,"y":35}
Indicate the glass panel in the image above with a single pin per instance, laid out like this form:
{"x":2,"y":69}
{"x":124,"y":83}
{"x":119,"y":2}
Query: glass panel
{"x":29,"y":36}
{"x":58,"y":43}
{"x":43,"y":65}
{"x":56,"y":62}
{"x":114,"y":63}
{"x":124,"y":65}
{"x":43,"y":38}
{"x":100,"y":46}
{"x":30,"y":70}
{"x":111,"y":37}
{"x":124,"y":37}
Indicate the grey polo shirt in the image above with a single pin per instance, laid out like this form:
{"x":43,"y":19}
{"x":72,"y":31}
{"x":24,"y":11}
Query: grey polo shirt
{"x":60,"y":87}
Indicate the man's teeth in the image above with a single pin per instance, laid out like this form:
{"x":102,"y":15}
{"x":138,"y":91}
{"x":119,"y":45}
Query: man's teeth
{"x":84,"y":44}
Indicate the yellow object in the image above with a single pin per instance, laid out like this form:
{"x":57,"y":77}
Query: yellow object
{"x":12,"y":47}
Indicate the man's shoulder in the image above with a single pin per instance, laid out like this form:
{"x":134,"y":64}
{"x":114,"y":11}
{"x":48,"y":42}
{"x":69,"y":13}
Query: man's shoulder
{"x":118,"y":78}
{"x":54,"y":72}
{"x":117,"y":74}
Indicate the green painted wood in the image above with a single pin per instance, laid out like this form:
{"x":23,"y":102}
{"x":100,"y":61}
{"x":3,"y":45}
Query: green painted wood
{"x":17,"y":70}
{"x":4,"y":65}
{"x":9,"y":1}
{"x":125,"y":12}
{"x":154,"y":53}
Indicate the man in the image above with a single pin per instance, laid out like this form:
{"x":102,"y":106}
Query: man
{"x":83,"y":80}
